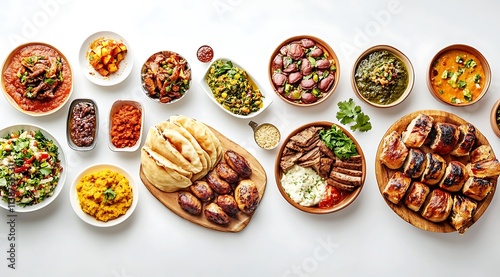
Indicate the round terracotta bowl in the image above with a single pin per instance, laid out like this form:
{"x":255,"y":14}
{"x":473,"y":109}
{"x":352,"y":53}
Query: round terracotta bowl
{"x":494,"y":118}
{"x":458,"y":75}
{"x":302,"y":85}
{"x":403,"y":71}
{"x":347,"y":196}
{"x":14,"y":87}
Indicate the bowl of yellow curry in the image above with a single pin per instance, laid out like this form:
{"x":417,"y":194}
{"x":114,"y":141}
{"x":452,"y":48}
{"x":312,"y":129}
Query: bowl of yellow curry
{"x":459,"y":75}
{"x":233,"y":89}
{"x":104,"y":195}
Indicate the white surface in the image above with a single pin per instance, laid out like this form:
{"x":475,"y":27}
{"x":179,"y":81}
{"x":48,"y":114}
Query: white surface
{"x":365,"y":239}
{"x":75,"y":203}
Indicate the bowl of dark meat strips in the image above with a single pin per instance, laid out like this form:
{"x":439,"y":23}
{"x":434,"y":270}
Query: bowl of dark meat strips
{"x":166,"y":77}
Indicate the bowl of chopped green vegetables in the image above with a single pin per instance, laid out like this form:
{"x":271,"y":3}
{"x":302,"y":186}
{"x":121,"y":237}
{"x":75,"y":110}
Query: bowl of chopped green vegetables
{"x":233,"y":89}
{"x":32,"y":168}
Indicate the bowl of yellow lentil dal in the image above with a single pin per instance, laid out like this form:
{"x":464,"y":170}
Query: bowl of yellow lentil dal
{"x":233,"y":89}
{"x":104,"y":195}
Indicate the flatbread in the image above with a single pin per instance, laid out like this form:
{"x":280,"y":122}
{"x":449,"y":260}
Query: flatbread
{"x":203,"y":135}
{"x":162,"y":173}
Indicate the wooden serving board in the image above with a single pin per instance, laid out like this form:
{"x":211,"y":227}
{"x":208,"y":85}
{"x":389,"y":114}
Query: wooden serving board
{"x":236,"y":224}
{"x":383,"y":173}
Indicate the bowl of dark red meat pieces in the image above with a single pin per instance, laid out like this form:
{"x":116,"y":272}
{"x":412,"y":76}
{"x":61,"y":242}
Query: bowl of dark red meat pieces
{"x":166,"y":77}
{"x":304,"y":71}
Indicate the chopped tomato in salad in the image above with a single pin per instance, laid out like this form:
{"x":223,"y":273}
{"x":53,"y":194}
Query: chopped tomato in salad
{"x":30,"y":167}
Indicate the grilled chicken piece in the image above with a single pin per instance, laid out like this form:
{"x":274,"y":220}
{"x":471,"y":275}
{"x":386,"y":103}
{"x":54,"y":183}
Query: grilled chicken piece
{"x":438,"y":206}
{"x":189,"y":203}
{"x":483,"y":152}
{"x":434,"y":169}
{"x":477,"y":188}
{"x":455,"y":177}
{"x":238,"y":163}
{"x":415,"y":163}
{"x":396,"y":187}
{"x":416,"y":196}
{"x":462,"y":212}
{"x":227,"y":173}
{"x":215,"y":214}
{"x":228,"y":204}
{"x":417,"y":131}
{"x":217,"y":183}
{"x":466,"y":140}
{"x":247,"y":196}
{"x":202,"y":190}
{"x":484,"y":168}
{"x":394,"y":151}
{"x":446,"y":139}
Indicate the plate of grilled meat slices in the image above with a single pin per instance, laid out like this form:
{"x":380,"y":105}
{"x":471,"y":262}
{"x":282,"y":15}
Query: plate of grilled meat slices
{"x":436,"y":171}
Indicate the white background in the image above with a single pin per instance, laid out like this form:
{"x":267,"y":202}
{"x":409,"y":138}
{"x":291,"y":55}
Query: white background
{"x":365,"y":239}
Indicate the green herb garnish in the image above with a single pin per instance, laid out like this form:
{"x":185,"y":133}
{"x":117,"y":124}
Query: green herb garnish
{"x":339,"y":142}
{"x":349,"y":112}
{"x":109,"y":194}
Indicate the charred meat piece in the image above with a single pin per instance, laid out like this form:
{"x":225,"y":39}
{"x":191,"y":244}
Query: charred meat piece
{"x":454,"y":177}
{"x":202,"y":190}
{"x":396,"y":187}
{"x":415,"y":163}
{"x":416,"y":196}
{"x":189,"y":203}
{"x":247,"y":196}
{"x":447,"y":135}
{"x":325,"y":166}
{"x":466,"y":141}
{"x":484,"y":168}
{"x":394,"y":151}
{"x":477,"y":188}
{"x":483,"y":152}
{"x":417,"y":131}
{"x":341,"y":186}
{"x":215,"y":214}
{"x":226,"y":172}
{"x":434,"y":169}
{"x":218,"y":184}
{"x":462,"y":212}
{"x":238,"y":163}
{"x":228,"y":204}
{"x":438,"y":206}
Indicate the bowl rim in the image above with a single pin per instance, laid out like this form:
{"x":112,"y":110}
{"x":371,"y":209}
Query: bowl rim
{"x":75,"y":204}
{"x":402,"y":57}
{"x":114,"y":107}
{"x":62,"y":158}
{"x":9,"y":98}
{"x":96,"y":78}
{"x":493,"y":118}
{"x":70,"y":142}
{"x":314,"y":210}
{"x":267,"y":101}
{"x":466,"y":48}
{"x":142,"y":82}
{"x":326,"y":47}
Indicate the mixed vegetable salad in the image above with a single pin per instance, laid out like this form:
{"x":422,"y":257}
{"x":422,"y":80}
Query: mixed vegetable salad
{"x":30,"y":167}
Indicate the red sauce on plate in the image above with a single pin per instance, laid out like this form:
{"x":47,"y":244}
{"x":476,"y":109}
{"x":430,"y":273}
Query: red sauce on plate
{"x":16,"y":89}
{"x":205,"y":53}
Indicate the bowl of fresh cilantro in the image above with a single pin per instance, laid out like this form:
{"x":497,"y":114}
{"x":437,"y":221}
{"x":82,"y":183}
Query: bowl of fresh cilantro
{"x":320,"y":168}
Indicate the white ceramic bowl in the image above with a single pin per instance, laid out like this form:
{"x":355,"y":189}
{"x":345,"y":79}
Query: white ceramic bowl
{"x":88,"y":71}
{"x":90,"y":219}
{"x":62,"y":178}
{"x":267,"y":100}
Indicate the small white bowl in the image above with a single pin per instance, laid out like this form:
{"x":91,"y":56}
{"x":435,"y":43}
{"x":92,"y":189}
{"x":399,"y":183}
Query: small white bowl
{"x":73,"y":196}
{"x":267,"y":100}
{"x":116,"y":106}
{"x":88,"y":71}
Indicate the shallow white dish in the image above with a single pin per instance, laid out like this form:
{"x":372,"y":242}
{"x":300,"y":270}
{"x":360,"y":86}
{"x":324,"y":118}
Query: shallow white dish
{"x":29,"y":127}
{"x":73,"y":196}
{"x":114,"y":108}
{"x":267,"y":100}
{"x":114,"y":78}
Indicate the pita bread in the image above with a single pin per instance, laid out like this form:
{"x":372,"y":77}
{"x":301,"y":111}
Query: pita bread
{"x":202,"y":154}
{"x":175,"y":148}
{"x":203,"y":135}
{"x":163,"y":174}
